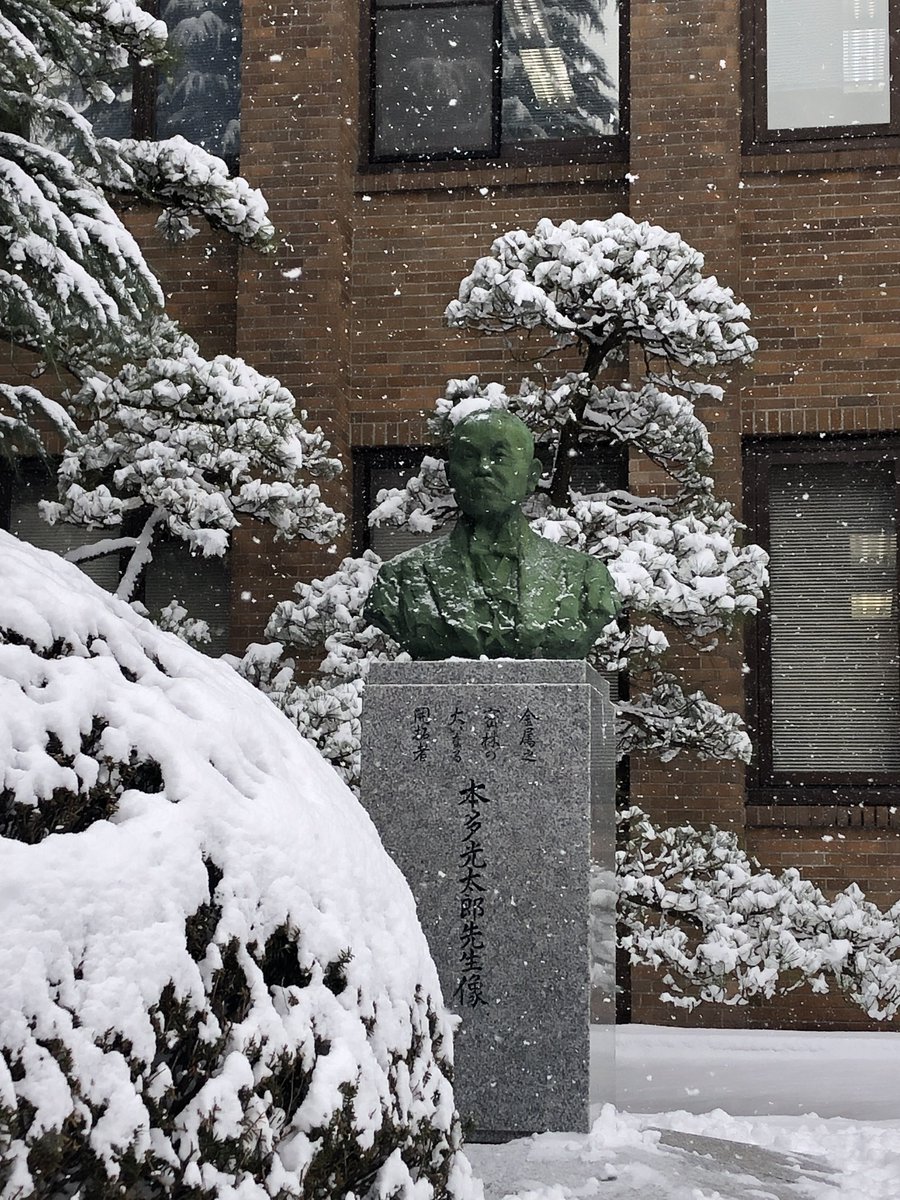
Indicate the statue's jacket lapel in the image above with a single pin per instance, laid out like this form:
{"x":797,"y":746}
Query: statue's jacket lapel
{"x":450,"y":581}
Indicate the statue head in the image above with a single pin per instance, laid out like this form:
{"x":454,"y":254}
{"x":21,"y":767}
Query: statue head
{"x":491,"y":465}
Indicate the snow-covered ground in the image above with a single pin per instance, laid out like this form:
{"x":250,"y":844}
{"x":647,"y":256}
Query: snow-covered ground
{"x":724,"y":1115}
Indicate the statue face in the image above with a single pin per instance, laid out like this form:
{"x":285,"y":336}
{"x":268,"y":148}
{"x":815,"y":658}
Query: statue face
{"x":491,"y":465}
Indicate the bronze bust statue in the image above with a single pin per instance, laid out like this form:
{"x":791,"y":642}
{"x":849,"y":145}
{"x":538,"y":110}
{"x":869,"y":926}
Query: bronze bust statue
{"x":492,"y":586}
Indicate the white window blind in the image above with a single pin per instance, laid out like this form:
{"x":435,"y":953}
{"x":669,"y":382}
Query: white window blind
{"x":835,"y":645}
{"x":827,"y":63}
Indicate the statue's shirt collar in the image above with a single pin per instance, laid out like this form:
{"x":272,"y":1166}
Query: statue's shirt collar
{"x":484,"y":542}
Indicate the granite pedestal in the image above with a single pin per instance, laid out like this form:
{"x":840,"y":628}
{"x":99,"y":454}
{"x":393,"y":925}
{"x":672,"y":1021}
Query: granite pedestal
{"x":484,"y":779}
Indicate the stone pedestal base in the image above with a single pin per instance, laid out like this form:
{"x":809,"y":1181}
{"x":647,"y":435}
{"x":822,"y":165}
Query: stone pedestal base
{"x":482,"y":778}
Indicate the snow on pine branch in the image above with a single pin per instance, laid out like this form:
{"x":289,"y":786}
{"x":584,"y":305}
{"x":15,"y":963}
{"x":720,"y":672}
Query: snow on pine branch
{"x":424,"y":504}
{"x":27,"y":407}
{"x":88,"y":35}
{"x":82,"y":279}
{"x":202,"y":442}
{"x":188,"y":180}
{"x":325,"y":605}
{"x":79,"y":291}
{"x":665,"y":720}
{"x":687,"y":569}
{"x":722,"y":929}
{"x":606,"y":284}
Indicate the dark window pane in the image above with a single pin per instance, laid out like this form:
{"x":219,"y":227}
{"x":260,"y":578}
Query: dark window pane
{"x":433,"y":81}
{"x":34,"y":485}
{"x":827,"y":63}
{"x":200,"y":96}
{"x":200,"y":584}
{"x":560,"y":69}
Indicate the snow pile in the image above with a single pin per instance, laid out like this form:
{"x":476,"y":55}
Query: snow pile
{"x":212,"y":979}
{"x":713,"y":1114}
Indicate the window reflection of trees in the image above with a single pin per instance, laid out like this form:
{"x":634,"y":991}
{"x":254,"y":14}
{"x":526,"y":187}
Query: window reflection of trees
{"x":199,"y":96}
{"x":440,"y":69}
{"x":560,"y":60}
{"x":196,"y":95}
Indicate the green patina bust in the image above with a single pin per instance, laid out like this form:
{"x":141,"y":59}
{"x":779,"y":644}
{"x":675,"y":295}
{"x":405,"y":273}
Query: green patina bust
{"x":492,"y":586}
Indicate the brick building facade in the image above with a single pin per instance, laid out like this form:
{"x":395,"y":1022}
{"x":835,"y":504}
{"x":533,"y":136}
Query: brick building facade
{"x":805,"y":229}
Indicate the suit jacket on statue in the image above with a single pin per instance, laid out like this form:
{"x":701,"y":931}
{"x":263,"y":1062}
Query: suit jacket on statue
{"x":520,"y":597}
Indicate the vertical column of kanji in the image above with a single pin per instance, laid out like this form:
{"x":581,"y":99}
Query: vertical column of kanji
{"x":685,"y":167}
{"x":298,"y":143}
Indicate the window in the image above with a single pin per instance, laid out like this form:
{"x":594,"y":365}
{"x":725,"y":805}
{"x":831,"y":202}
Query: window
{"x":825,"y":684}
{"x":197,"y":94}
{"x":823,"y":70}
{"x":201,"y":584}
{"x":490,"y":78}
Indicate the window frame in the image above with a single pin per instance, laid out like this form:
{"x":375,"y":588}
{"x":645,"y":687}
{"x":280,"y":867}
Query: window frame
{"x":757,"y":136}
{"x":765,"y":785}
{"x":542,"y":152}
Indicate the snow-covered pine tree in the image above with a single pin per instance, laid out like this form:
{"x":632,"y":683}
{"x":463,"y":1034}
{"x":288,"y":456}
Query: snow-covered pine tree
{"x":609,"y":290}
{"x":628,"y":296}
{"x":153,"y":431}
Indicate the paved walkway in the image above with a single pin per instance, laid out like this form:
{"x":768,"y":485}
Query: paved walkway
{"x":655,"y":1165}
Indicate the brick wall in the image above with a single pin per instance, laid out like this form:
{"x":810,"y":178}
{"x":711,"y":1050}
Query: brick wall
{"x":298,"y":144}
{"x":821,"y":251}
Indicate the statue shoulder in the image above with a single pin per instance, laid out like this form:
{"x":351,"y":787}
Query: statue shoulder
{"x":411,"y":561}
{"x":566,"y":557}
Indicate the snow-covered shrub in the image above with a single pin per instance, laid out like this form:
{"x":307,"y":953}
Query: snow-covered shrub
{"x":212,"y":978}
{"x":721,"y":929}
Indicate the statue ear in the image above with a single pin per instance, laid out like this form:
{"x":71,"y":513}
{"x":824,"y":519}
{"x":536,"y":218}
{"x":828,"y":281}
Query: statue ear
{"x":534,"y":473}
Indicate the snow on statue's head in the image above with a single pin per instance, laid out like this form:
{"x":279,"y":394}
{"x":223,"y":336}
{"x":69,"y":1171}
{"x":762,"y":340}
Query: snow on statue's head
{"x":212,"y":978}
